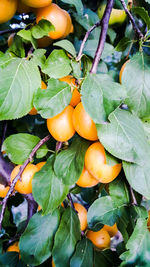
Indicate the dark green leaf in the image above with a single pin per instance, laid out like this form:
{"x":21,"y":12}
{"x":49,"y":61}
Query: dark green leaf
{"x":123,"y":44}
{"x":9,"y":259}
{"x":106,"y":258}
{"x":17,"y":47}
{"x":77,"y":3}
{"x":140,"y":11}
{"x":118,"y":191}
{"x":83,"y":255}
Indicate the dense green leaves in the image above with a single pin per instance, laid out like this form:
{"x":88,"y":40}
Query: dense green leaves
{"x":19,"y":146}
{"x":77,"y":3}
{"x":9,"y":259}
{"x":69,"y":163}
{"x":83,"y":255}
{"x":66,"y":238}
{"x":53,"y":100}
{"x":66,"y":45}
{"x":48,"y":190}
{"x":18,"y":82}
{"x":42,"y":29}
{"x":37,"y":240}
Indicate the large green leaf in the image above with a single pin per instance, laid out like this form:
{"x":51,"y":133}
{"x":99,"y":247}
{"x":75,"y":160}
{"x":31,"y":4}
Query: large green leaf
{"x":54,"y":99}
{"x":136,"y":79}
{"x":89,"y":49}
{"x":57,"y":64}
{"x":42,"y":29}
{"x":96,"y":92}
{"x":143,"y":13}
{"x":37,"y":240}
{"x":66,"y":45}
{"x":9,"y":259}
{"x":83,"y":255}
{"x":48,"y":190}
{"x":18,"y":82}
{"x":69,"y":163}
{"x":77,"y":3}
{"x":138,"y":245}
{"x":118,"y":191}
{"x":124,"y":137}
{"x":19,"y":146}
{"x":66,"y":238}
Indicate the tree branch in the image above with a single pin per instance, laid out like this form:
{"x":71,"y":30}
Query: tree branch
{"x":32,"y":207}
{"x":5,"y":170}
{"x":85,"y":39}
{"x":10,"y":31}
{"x":4,"y":202}
{"x":133,"y":199}
{"x":104,"y":27}
{"x":136,"y":29}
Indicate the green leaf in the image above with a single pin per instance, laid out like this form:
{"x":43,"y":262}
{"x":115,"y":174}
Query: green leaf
{"x":123,"y":44}
{"x":140,"y":11}
{"x":138,"y":245}
{"x":18,"y":82}
{"x":77,"y":3}
{"x":57,"y":64}
{"x":54,"y":99}
{"x":83,"y":255}
{"x":37,"y":240}
{"x":42,"y":29}
{"x":124,"y":137}
{"x":86,"y":20}
{"x":118,"y":191}
{"x":89,"y":49}
{"x":5,"y":59}
{"x":138,"y":177}
{"x":76,"y":68}
{"x":70,"y":162}
{"x":66,"y":238}
{"x":27,"y":36}
{"x":96,"y":92}
{"x":19,"y":146}
{"x":9,"y":259}
{"x":136,"y":79}
{"x":38,"y":57}
{"x":106,"y":258}
{"x":54,"y":190}
{"x":17,"y":47}
{"x":66,"y":45}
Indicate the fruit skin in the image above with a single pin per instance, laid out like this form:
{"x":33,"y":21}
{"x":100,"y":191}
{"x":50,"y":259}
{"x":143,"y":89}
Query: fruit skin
{"x":14,"y":247}
{"x":118,"y":16}
{"x":76,"y":97}
{"x":86,"y":179}
{"x":121,"y":71}
{"x":7,"y":10}
{"x":100,"y":239}
{"x":40,"y":165}
{"x":53,"y":264}
{"x":25,"y":185}
{"x":10,"y":39}
{"x":148,"y":221}
{"x":83,"y":124}
{"x":33,"y":111}
{"x":3,"y":190}
{"x":37,"y":3}
{"x":82,"y":214}
{"x":22,"y":8}
{"x":112,"y":230}
{"x":58,"y":18}
{"x":95,"y":163}
{"x":61,"y":126}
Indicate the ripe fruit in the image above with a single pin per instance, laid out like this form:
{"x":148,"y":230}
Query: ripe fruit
{"x":40,"y":165}
{"x":148,"y":221}
{"x":86,"y":179}
{"x":118,"y":16}
{"x":22,"y":8}
{"x":83,"y":124}
{"x":7,"y":10}
{"x":82,"y":214}
{"x":100,"y":239}
{"x":61,"y":126}
{"x":37,"y":3}
{"x":53,"y":264}
{"x":75,"y":93}
{"x":95,"y":163}
{"x":112,"y":230}
{"x":3,"y":190}
{"x":14,"y":247}
{"x":25,"y":185}
{"x":33,"y":111}
{"x":69,"y":28}
{"x":121,"y":71}
{"x":57,"y":16}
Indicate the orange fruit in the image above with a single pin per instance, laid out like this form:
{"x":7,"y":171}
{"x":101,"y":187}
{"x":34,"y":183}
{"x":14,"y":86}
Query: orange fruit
{"x":33,"y":111}
{"x":14,"y":247}
{"x":40,"y":165}
{"x":44,"y":42}
{"x":121,"y":71}
{"x":82,"y":214}
{"x":24,"y":186}
{"x":83,"y":123}
{"x":3,"y":190}
{"x":76,"y":98}
{"x":95,"y":163}
{"x":61,"y":126}
{"x":59,"y":19}
{"x":100,"y":239}
{"x":7,"y":10}
{"x":53,"y":264}
{"x":10,"y":39}
{"x":148,"y":221}
{"x":22,"y":8}
{"x":37,"y":3}
{"x":112,"y":230}
{"x":86,"y":179}
{"x":70,"y":28}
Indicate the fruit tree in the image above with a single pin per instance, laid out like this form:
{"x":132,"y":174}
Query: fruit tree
{"x":74,"y":133}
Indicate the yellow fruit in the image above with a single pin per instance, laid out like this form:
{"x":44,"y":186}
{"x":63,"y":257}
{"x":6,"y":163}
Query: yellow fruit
{"x":148,"y":221}
{"x":3,"y":190}
{"x":7,"y":10}
{"x":37,"y":3}
{"x":82,"y":214}
{"x":10,"y":39}
{"x":112,"y":230}
{"x":118,"y":16}
{"x":86,"y":179}
{"x":122,"y":70}
{"x":100,"y":239}
{"x":53,"y":264}
{"x":14,"y":247}
{"x":40,"y":165}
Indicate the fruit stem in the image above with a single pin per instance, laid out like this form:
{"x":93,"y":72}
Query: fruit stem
{"x":18,"y":176}
{"x":102,"y":38}
{"x":136,"y":29}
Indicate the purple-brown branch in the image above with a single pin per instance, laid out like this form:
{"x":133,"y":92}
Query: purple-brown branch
{"x":104,"y":27}
{"x":10,"y":31}
{"x":32,"y":207}
{"x":4,"y":202}
{"x":136,"y":29}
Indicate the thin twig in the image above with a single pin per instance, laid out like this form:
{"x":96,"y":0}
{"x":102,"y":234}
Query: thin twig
{"x":104,"y":27}
{"x":133,"y":199}
{"x":85,"y":39}
{"x":3,"y":134}
{"x":71,"y":202}
{"x":4,"y":202}
{"x":136,"y":29}
{"x":32,"y":207}
{"x":59,"y":145}
{"x":10,"y":31}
